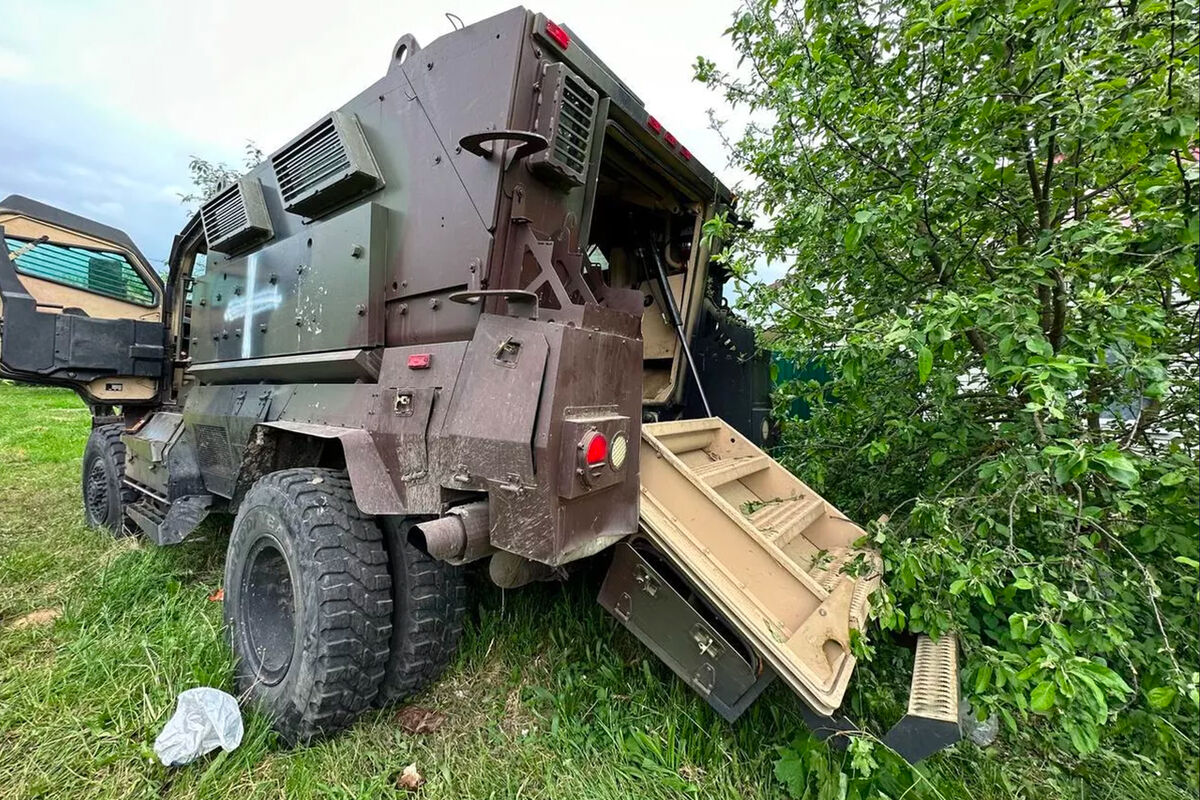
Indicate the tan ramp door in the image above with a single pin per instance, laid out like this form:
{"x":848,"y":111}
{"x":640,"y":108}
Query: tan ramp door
{"x":767,"y":551}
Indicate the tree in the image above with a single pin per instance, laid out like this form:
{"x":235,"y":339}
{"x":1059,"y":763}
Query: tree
{"x":210,"y":177}
{"x":988,"y":209}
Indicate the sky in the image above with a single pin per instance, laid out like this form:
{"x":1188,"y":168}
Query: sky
{"x":102,"y":102}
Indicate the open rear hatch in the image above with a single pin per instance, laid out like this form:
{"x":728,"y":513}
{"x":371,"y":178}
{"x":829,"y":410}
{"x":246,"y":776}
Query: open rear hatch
{"x":769,"y":553}
{"x":741,"y":571}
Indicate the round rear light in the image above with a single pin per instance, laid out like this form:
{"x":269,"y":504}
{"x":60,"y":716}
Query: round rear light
{"x":619,"y":449}
{"x":596,"y":449}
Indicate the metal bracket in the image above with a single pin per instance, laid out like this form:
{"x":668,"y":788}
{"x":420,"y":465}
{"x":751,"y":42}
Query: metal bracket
{"x":704,"y":679}
{"x":623,"y":608}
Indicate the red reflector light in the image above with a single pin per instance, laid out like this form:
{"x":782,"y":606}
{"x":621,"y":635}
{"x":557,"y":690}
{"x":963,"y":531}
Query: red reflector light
{"x":560,"y":37}
{"x":597,"y":450}
{"x":685,"y":153}
{"x":654,"y":125}
{"x":419,"y":361}
{"x":669,"y":139}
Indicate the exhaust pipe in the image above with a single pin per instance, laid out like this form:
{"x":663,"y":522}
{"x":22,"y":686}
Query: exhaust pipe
{"x":459,"y":537}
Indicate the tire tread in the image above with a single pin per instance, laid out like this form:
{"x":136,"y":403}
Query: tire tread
{"x":345,"y":564}
{"x":430,"y":600}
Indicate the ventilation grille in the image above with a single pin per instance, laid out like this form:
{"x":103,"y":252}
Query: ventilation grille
{"x":576,"y":115}
{"x":325,"y":167}
{"x":316,"y":158}
{"x":212,"y":450}
{"x":566,"y":117}
{"x":236,"y":218}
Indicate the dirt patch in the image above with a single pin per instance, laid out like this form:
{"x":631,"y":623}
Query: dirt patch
{"x":35,"y":619}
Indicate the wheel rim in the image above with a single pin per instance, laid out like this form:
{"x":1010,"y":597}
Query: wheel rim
{"x":267,"y":612}
{"x":95,"y":495}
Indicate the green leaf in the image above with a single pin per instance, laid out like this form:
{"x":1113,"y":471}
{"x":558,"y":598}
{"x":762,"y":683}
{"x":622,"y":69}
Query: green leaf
{"x":983,"y":679}
{"x":1084,"y":737}
{"x":1106,"y":676}
{"x":924,"y":363}
{"x":862,"y":758}
{"x":1098,"y":703}
{"x":1041,"y":699}
{"x":790,"y":770}
{"x":1051,"y":596}
{"x":1062,"y":471}
{"x":1161,"y":697}
{"x":1172,"y":478}
{"x":938,"y":458}
{"x":1039,"y":347}
{"x":1117,"y":466}
{"x":852,"y":236}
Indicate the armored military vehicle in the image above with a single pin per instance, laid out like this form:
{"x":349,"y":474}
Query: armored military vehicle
{"x":468,"y":315}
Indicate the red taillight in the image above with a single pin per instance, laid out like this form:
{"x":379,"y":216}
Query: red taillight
{"x":654,"y":125}
{"x":560,"y":37}
{"x":419,"y":360}
{"x":685,"y":154}
{"x":670,"y":140}
{"x":597,"y":450}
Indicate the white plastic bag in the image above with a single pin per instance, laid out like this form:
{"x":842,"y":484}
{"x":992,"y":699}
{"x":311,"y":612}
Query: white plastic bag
{"x":204,"y":720}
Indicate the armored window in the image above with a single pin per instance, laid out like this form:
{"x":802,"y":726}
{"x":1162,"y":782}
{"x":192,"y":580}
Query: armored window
{"x":199,"y":269}
{"x":102,"y":272}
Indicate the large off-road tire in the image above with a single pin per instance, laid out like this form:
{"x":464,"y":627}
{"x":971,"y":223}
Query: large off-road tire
{"x":308,"y":602}
{"x":429,"y":599}
{"x":105,"y":494}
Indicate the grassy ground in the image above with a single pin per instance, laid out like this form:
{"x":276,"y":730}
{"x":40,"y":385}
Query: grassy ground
{"x":549,"y":697}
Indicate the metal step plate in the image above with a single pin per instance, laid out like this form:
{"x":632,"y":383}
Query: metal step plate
{"x":932,"y":719}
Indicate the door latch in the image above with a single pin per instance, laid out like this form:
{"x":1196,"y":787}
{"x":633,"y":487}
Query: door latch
{"x":707,"y":641}
{"x":648,"y":582}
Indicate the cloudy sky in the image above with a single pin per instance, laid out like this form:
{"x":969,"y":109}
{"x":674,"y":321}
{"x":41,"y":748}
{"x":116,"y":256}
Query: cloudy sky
{"x":103,"y":101}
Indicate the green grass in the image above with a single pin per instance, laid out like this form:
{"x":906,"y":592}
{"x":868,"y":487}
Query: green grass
{"x":548,"y":697}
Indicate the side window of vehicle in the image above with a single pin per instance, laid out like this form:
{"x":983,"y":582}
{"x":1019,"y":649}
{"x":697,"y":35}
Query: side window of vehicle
{"x":199,"y":268}
{"x":102,"y":272}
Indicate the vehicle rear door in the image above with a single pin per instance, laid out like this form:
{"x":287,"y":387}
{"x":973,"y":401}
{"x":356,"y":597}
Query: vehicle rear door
{"x":79,"y":306}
